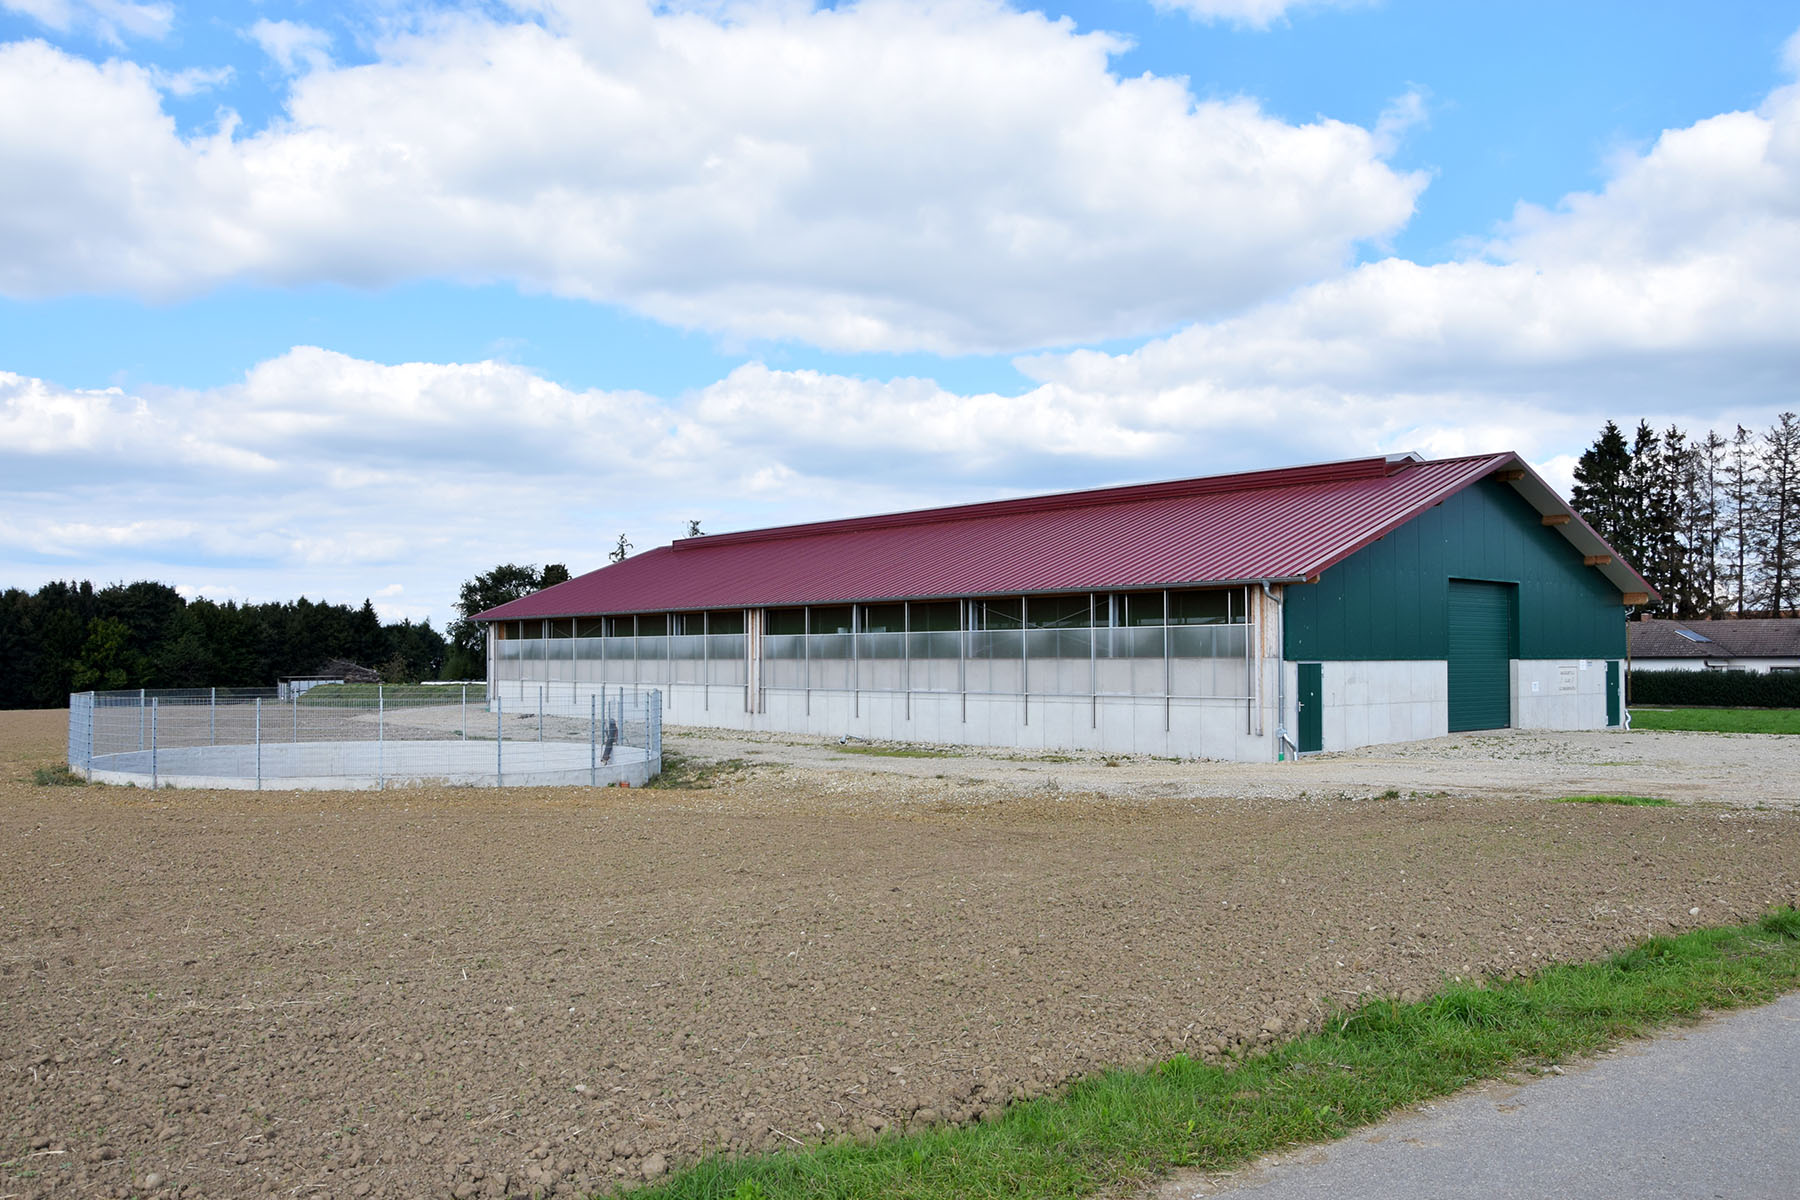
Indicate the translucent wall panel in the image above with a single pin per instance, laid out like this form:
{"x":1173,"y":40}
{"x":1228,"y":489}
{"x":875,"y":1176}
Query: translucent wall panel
{"x":687,"y":651}
{"x":935,"y":675}
{"x":828,"y":645}
{"x":832,"y":674}
{"x":1209,"y":641}
{"x":935,"y":645}
{"x":725,"y":645}
{"x":727,"y":670}
{"x":881,"y":675}
{"x":881,"y":645}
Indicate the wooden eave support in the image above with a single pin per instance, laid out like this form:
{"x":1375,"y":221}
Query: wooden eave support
{"x":1634,"y":599}
{"x":1509,"y":476}
{"x":1597,"y":560}
{"x":1557,"y":519}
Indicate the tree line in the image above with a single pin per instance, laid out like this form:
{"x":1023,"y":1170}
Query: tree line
{"x":73,"y":637}
{"x":1713,"y":523}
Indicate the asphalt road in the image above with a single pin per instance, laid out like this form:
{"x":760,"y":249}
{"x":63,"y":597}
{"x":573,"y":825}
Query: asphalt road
{"x":1708,"y":1111}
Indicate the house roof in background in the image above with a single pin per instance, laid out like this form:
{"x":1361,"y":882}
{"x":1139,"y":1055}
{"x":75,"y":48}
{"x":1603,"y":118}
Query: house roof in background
{"x":1754,"y":637}
{"x":1283,"y":526}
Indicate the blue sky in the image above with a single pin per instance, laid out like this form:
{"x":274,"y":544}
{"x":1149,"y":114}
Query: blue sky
{"x":360,"y":299}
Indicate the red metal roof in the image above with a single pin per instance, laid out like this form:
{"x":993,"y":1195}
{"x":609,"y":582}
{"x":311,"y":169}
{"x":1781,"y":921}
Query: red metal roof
{"x":1284,"y":525}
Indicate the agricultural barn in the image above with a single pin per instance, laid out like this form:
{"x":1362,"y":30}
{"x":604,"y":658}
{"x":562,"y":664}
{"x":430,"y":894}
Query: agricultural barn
{"x":1246,"y":616}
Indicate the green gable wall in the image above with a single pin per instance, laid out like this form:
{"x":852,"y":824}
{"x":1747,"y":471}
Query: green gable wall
{"x":1390,"y":600}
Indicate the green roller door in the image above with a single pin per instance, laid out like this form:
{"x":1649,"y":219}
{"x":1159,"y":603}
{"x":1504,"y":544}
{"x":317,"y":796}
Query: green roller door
{"x":1480,"y":628}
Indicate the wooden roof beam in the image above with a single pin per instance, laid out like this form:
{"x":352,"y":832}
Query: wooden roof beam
{"x":1557,"y":519}
{"x":1509,"y":476}
{"x":1634,"y":599}
{"x":1597,"y":560}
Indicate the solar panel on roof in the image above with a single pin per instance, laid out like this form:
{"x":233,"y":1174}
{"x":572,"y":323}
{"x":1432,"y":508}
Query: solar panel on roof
{"x":1691,"y":636}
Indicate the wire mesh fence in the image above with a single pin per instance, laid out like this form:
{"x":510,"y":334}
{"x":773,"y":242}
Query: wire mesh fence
{"x":366,"y":735}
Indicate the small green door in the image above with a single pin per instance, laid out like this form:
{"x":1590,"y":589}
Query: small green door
{"x":1312,"y":707}
{"x":1480,"y":628}
{"x":1612,"y":693}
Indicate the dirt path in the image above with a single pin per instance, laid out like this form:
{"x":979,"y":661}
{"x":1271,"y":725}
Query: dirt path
{"x":463,"y":992}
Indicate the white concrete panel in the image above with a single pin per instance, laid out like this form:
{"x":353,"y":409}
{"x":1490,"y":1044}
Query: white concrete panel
{"x":1559,"y":693}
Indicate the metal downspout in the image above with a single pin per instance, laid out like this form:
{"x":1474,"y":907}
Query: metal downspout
{"x":1281,"y":731}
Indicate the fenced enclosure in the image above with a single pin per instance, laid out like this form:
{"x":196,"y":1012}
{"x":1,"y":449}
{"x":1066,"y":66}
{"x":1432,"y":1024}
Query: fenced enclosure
{"x":367,"y":736}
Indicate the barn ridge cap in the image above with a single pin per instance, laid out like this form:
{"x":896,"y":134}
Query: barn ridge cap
{"x":1335,"y":471}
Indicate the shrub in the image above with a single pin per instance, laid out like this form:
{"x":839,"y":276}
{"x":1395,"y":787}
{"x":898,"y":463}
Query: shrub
{"x":1715,"y":689}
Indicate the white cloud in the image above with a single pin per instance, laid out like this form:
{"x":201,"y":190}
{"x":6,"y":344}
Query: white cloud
{"x":1673,"y":289}
{"x":109,"y":20}
{"x":294,"y":47}
{"x":191,"y":81}
{"x":1247,"y":14}
{"x":948,"y":176}
{"x":1672,"y":292}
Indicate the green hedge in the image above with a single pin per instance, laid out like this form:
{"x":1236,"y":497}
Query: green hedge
{"x":1715,"y":689}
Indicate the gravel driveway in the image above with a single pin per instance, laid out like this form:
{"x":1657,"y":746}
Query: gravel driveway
{"x":1742,"y":770}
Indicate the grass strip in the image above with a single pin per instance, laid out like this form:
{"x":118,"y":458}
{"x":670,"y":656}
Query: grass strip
{"x":1121,"y":1129}
{"x":398,"y":695}
{"x":895,"y":751}
{"x":1718,"y":720}
{"x":1632,"y":801}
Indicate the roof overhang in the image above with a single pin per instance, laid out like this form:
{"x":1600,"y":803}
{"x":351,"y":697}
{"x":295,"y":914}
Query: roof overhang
{"x":1579,"y":533}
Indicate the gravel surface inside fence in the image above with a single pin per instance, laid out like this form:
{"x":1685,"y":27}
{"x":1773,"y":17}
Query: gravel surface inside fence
{"x":468,"y":992}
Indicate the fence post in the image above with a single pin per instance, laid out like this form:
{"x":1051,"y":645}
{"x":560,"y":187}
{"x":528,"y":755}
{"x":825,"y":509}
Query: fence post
{"x":499,"y":741}
{"x":153,"y":784}
{"x":593,"y":727}
{"x":465,"y":711}
{"x":259,"y":743}
{"x":212,"y":718}
{"x":295,"y":693}
{"x":141,"y":706}
{"x":540,"y":712}
{"x":380,"y":738}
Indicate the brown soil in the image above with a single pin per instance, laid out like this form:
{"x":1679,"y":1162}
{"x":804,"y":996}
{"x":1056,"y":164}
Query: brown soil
{"x":469,"y":992}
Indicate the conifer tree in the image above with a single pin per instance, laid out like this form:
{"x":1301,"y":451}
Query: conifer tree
{"x":1742,"y":484}
{"x":1778,"y":525}
{"x":1603,"y":487}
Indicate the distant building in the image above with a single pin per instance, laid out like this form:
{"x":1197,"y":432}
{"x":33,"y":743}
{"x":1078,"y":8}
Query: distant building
{"x":1755,"y":644}
{"x":1241,"y":616}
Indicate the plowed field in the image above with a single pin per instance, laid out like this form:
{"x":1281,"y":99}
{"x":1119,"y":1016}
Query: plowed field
{"x":468,"y":992}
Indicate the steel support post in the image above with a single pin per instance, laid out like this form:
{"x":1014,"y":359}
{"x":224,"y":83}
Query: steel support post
{"x":1093,"y":664}
{"x":1168,"y":670}
{"x":1024,"y":660}
{"x":906,"y":654}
